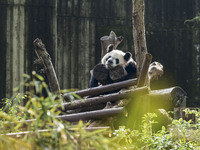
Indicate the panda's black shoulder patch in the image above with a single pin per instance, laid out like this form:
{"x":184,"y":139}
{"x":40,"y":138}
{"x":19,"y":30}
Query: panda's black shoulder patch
{"x":131,"y":69}
{"x":127,"y":56}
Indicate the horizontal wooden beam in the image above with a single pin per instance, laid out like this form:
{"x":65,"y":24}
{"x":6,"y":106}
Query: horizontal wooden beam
{"x":92,"y":115}
{"x":105,"y":98}
{"x":106,"y":88}
{"x":167,"y":98}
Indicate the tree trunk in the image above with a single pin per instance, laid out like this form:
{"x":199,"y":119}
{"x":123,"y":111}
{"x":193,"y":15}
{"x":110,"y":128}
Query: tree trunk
{"x":45,"y":59}
{"x":143,"y":77}
{"x":139,"y":32}
{"x":111,"y":39}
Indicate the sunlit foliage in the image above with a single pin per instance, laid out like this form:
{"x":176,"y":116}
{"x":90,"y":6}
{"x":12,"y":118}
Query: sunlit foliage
{"x":45,"y":131}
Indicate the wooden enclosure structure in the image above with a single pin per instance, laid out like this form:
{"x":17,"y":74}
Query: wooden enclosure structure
{"x":71,"y":29}
{"x":103,"y":103}
{"x":99,"y":103}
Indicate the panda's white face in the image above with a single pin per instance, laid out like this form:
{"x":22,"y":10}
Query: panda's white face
{"x":113,"y":59}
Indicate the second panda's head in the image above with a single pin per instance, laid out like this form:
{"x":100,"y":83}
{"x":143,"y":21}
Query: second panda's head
{"x":115,"y":58}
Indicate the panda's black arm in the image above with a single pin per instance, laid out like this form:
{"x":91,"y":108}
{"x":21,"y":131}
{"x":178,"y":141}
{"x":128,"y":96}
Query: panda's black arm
{"x":93,"y":82}
{"x":131,"y":70}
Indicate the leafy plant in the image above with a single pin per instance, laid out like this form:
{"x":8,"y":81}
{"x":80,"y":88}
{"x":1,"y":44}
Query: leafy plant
{"x":195,"y":19}
{"x":44,"y":130}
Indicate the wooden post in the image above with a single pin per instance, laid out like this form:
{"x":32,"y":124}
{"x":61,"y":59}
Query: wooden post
{"x":139,"y":32}
{"x":143,"y":76}
{"x":45,"y":59}
{"x":111,"y":39}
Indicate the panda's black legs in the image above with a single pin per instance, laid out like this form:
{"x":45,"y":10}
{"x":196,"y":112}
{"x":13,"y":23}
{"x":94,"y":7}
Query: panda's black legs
{"x":131,"y":70}
{"x":93,"y":82}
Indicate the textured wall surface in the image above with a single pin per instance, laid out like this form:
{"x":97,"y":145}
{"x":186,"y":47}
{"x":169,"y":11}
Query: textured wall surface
{"x":71,"y":31}
{"x":21,"y":22}
{"x":81,"y":23}
{"x":175,"y":43}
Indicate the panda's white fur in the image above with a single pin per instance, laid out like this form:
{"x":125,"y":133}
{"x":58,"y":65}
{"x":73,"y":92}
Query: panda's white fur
{"x":115,"y":58}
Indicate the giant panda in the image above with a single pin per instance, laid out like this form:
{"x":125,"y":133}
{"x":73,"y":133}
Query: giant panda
{"x":114,"y":58}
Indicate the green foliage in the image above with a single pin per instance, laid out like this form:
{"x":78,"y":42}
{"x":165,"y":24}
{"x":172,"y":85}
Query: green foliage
{"x":180,"y":135}
{"x":195,"y":19}
{"x":45,"y":131}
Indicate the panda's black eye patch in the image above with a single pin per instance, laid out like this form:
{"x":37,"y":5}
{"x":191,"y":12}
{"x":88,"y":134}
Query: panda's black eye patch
{"x":108,"y":58}
{"x":117,"y":61}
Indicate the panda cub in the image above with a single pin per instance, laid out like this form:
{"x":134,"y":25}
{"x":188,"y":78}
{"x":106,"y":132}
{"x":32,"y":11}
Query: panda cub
{"x":115,"y":58}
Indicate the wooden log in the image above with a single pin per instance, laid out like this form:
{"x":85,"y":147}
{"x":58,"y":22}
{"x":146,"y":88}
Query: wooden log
{"x":143,"y":76}
{"x":178,"y":110}
{"x":111,"y":39}
{"x":167,"y":98}
{"x":103,"y":99}
{"x":106,"y":88}
{"x":155,"y":71}
{"x":185,"y":115}
{"x":139,"y":32}
{"x":84,"y":109}
{"x":92,"y":115}
{"x":47,"y":64}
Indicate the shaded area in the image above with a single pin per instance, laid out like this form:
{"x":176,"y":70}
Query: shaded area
{"x":71,"y":31}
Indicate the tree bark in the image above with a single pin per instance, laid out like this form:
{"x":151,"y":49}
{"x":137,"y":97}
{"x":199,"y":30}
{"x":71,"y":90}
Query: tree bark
{"x":139,"y":32}
{"x":92,"y":115}
{"x":103,"y":99}
{"x":106,"y":88}
{"x":44,"y":57}
{"x":143,"y":76}
{"x":168,"y":98}
{"x":111,"y":39}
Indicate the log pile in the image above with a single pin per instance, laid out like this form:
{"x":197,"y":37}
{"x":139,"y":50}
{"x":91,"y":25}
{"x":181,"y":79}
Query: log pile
{"x":103,"y":101}
{"x":109,"y":100}
{"x":170,"y":98}
{"x":104,"y":104}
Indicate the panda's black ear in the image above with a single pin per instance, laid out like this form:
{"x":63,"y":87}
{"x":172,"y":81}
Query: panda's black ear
{"x":110,"y":47}
{"x":127,"y":56}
